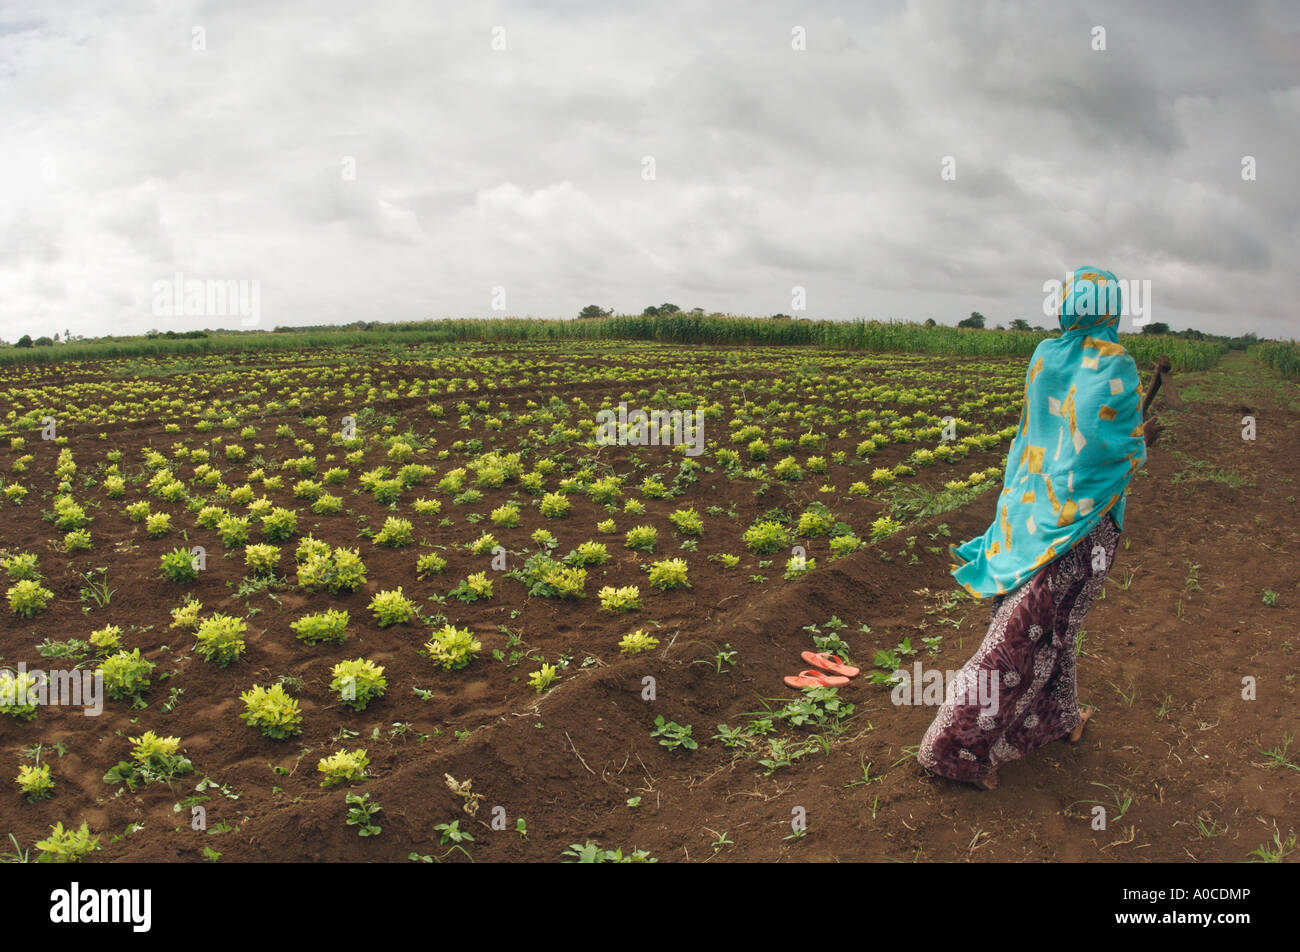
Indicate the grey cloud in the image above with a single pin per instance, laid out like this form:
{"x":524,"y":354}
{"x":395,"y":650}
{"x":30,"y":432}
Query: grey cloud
{"x":522,"y":168}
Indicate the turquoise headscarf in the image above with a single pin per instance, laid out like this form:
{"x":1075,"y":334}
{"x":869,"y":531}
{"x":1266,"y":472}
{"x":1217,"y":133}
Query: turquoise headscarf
{"x":1080,"y":442}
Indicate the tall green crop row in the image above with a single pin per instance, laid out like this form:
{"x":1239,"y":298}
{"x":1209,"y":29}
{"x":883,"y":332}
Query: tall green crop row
{"x":1184,"y":355}
{"x":1282,"y":357}
{"x":712,"y":329}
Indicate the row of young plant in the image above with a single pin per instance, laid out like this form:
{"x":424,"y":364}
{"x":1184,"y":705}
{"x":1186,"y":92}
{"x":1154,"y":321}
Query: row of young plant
{"x":210,"y":390}
{"x":250,"y":487}
{"x":682,"y":328}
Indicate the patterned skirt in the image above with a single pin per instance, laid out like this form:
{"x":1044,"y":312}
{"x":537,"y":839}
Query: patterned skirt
{"x":1029,"y":655}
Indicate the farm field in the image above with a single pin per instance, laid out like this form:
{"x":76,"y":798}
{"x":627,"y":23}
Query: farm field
{"x":551,"y":613}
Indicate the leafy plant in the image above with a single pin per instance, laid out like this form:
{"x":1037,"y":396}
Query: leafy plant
{"x":278,"y":525}
{"x":687,"y":521}
{"x":233,"y":531}
{"x":328,"y":626}
{"x":452,"y":833}
{"x":262,"y":558}
{"x":624,"y":599}
{"x":788,"y":469}
{"x":732,"y":736}
{"x":186,"y":615}
{"x":336,"y":570}
{"x":764,"y":538}
{"x":126,"y":676}
{"x":452,"y":648}
{"x":361,"y":814}
{"x":395,"y":533}
{"x":158,"y":524}
{"x":392,"y":608}
{"x":641,"y":537}
{"x":221,"y":639}
{"x":673,"y":735}
{"x":815,"y":521}
{"x":554,"y":506}
{"x":797,"y":566}
{"x":588,"y":553}
{"x":178,"y":566}
{"x":724,"y":655}
{"x":35,"y":781}
{"x":819,"y":707}
{"x":483,"y":545}
{"x":543,"y":678}
{"x":358,"y":682}
{"x":344,"y":766}
{"x":138,"y":511}
{"x":209,"y":517}
{"x":153,"y":759}
{"x":430,"y":563}
{"x":506,"y":517}
{"x":96,"y":593}
{"x":74,"y":648}
{"x":27,"y":597}
{"x":107,"y":639}
{"x":272,"y":711}
{"x":884,"y":527}
{"x":544,"y":576}
{"x":473,"y":588}
{"x":326,"y":504}
{"x":22,"y":566}
{"x":67,"y":846}
{"x":637,"y":642}
{"x":590,"y":852}
{"x":670,"y":573}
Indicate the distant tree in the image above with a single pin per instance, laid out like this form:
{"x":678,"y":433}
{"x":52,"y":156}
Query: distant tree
{"x":594,"y":310}
{"x":781,"y":317}
{"x":666,"y":309}
{"x":931,"y":322}
{"x":43,"y":342}
{"x":697,"y":310}
{"x":1039,"y":327}
{"x":1159,"y":327}
{"x":24,"y":341}
{"x":651,"y":311}
{"x":976,"y":319}
{"x":1020,"y":324}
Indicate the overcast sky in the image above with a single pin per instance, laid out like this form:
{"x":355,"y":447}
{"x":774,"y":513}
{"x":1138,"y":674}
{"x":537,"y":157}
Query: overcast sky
{"x":382,"y":161}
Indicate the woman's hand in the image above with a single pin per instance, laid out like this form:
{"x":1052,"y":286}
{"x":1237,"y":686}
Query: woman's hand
{"x":1151,"y":431}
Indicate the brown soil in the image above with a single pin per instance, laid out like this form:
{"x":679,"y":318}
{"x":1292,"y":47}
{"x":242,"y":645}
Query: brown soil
{"x":1187,"y":749}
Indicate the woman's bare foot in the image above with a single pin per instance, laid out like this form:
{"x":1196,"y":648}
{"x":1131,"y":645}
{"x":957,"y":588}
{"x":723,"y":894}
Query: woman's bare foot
{"x":1085,"y":712}
{"x":988,"y":783}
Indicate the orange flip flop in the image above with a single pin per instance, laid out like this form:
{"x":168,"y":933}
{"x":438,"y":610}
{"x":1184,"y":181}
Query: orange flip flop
{"x":815,"y":679}
{"x":832,"y":663}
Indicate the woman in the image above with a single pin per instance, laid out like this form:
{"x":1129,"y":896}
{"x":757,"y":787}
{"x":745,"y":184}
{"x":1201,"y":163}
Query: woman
{"x":1051,"y":544}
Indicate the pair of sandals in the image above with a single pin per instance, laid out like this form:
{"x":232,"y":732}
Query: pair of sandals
{"x":827,"y":671}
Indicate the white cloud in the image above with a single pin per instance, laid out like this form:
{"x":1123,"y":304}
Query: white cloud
{"x":128,"y":156}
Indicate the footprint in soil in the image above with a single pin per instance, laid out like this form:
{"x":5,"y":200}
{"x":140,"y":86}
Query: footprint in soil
{"x":468,"y":694}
